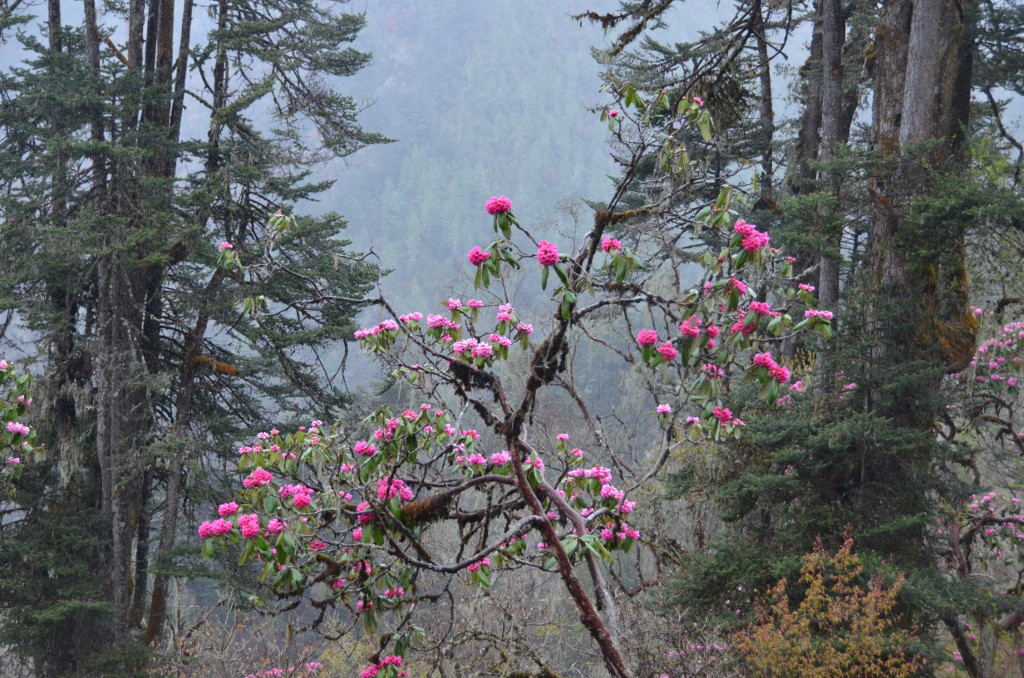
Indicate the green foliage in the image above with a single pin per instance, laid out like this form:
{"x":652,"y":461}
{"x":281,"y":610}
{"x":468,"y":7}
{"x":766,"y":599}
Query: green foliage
{"x":114,"y":196}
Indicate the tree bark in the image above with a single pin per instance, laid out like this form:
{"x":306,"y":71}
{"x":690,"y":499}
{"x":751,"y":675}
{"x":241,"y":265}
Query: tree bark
{"x":833,"y":36}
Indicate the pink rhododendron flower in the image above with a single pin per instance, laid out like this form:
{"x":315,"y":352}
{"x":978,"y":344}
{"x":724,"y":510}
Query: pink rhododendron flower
{"x":302,"y":500}
{"x":755,"y":241}
{"x":227,"y":509}
{"x":737,"y":285}
{"x":364,"y":514}
{"x":647,"y":337}
{"x":396,"y":488}
{"x":17,"y":428}
{"x":690,"y":327}
{"x":760,"y":307}
{"x":664,"y":409}
{"x":700,"y":102}
{"x":477,"y":256}
{"x":276,"y":526}
{"x":482,"y":350}
{"x":498,"y":205}
{"x":722,"y":414}
{"x":805,"y":287}
{"x":357,"y":534}
{"x":614,"y":113}
{"x":525,"y":328}
{"x":743,"y":228}
{"x":221,"y":526}
{"x":249,"y":524}
{"x":226,"y":245}
{"x":611,"y":245}
{"x":547,"y":253}
{"x":206,"y":529}
{"x":473,"y":567}
{"x":364,"y":448}
{"x":668,"y":351}
{"x":501,"y":458}
{"x":811,"y":313}
{"x":258,"y":478}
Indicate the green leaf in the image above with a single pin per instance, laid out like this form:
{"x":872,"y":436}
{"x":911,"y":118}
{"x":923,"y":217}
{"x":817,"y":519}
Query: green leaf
{"x":544,"y":278}
{"x":704,"y":123}
{"x":561,"y":274}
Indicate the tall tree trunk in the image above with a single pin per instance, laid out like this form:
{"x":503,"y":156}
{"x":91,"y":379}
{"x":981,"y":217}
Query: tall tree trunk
{"x":833,"y":36}
{"x":765,"y":110}
{"x":124,"y":422}
{"x":53,"y":27}
{"x":801,"y":180}
{"x":921,"y":63}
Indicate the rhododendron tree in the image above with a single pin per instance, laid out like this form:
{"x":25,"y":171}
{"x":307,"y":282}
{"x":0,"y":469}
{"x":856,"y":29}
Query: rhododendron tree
{"x":368,"y":513}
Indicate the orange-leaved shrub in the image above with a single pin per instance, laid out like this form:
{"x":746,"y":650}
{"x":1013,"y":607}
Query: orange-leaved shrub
{"x":841,"y":629}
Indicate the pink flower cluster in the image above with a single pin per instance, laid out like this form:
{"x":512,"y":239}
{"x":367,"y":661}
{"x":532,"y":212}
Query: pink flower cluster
{"x":477,"y":256}
{"x":364,"y":448}
{"x":435,"y":321}
{"x":811,"y":313}
{"x":779,"y":372}
{"x":741,"y":325}
{"x":384,"y":325}
{"x":646,"y":337}
{"x":498,"y":205}
{"x":547,"y":253}
{"x":391,"y":660}
{"x":301,"y":495}
{"x":258,"y":478}
{"x":761,"y":308}
{"x":600,"y":473}
{"x":17,"y":428}
{"x":625,"y":533}
{"x":473,"y":567}
{"x":217,"y":527}
{"x":415,"y":316}
{"x":753,"y":239}
{"x":395,"y":488}
{"x":667,"y":351}
{"x":610,"y":245}
{"x":249,"y":524}
{"x":997,"y":356}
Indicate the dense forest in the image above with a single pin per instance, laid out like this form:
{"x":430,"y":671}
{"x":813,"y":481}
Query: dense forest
{"x":654,"y":338}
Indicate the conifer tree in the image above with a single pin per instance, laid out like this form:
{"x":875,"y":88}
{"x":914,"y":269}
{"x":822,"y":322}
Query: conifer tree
{"x":135,"y":178}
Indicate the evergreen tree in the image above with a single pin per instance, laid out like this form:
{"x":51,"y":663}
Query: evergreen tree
{"x":156,"y":341}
